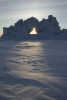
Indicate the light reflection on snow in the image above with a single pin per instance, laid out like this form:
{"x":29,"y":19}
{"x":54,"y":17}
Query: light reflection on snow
{"x":33,"y":70}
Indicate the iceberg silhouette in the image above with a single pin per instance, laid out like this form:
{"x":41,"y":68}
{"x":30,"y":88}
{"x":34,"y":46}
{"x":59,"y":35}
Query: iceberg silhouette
{"x":45,"y":29}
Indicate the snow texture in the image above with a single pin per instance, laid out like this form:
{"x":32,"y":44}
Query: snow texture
{"x":33,"y":70}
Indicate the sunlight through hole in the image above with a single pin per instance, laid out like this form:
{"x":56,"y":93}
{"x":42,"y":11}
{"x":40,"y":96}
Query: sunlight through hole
{"x":33,"y":31}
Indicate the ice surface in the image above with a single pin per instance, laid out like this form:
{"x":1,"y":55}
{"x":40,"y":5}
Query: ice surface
{"x":33,"y":70}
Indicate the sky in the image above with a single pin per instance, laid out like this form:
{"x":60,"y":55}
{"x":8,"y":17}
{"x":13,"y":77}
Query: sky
{"x":13,"y":10}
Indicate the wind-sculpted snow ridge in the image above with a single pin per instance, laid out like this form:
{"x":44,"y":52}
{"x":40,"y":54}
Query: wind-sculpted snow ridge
{"x":46,"y":29}
{"x":33,"y":70}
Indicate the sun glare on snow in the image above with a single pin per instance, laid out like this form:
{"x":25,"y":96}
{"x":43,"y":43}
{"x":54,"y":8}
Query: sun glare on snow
{"x":33,"y":31}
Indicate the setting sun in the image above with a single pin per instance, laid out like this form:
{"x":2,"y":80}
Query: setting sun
{"x":33,"y":31}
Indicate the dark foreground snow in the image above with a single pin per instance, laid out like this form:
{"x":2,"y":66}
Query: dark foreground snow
{"x":33,"y":70}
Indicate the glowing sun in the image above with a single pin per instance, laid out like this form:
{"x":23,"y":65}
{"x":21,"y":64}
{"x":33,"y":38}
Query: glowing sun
{"x":33,"y":31}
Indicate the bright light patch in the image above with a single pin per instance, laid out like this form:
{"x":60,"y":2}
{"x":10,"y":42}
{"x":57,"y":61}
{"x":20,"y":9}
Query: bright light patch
{"x":33,"y":31}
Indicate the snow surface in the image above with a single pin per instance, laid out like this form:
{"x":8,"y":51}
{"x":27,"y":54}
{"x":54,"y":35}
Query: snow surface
{"x":33,"y":70}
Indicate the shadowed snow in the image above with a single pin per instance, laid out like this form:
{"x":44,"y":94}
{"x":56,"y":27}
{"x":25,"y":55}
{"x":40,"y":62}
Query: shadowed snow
{"x":33,"y":70}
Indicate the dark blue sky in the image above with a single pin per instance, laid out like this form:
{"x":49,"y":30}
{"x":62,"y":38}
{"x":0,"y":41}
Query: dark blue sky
{"x":13,"y":10}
